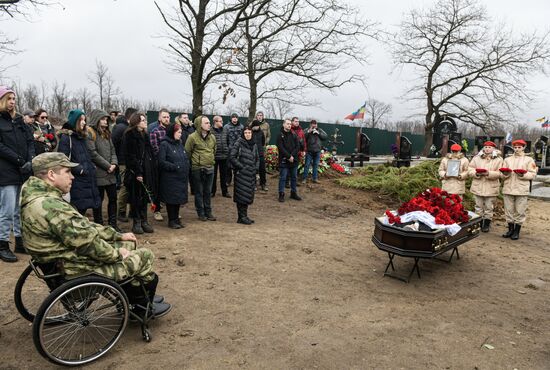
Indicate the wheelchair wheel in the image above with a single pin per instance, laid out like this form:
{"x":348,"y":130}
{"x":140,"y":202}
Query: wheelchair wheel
{"x":30,"y":292}
{"x":80,"y":321}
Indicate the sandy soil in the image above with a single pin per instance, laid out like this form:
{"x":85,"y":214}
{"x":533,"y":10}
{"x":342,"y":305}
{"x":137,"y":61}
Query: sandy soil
{"x":303,"y":289}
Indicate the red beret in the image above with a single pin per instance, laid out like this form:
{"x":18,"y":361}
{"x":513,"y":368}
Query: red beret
{"x":519,"y":142}
{"x":456,"y":148}
{"x":490,"y":143}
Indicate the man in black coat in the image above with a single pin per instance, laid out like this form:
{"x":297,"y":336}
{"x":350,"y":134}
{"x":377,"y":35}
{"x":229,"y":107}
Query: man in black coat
{"x":16,"y":153}
{"x":288,"y":146}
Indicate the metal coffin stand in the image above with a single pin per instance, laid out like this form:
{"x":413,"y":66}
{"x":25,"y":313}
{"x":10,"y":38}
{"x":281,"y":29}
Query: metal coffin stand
{"x":401,"y":242}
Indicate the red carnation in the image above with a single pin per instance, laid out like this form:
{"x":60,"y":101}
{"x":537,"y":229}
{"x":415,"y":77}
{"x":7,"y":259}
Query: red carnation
{"x":392,"y":219}
{"x":481,"y":170}
{"x":520,"y":171}
{"x":505,"y":169}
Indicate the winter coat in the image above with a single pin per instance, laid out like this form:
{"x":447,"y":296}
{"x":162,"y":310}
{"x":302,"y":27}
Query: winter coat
{"x":201,"y":150}
{"x":84,"y":192}
{"x":258,"y":136}
{"x":266,"y":130}
{"x":102,"y":150}
{"x":222,"y":150}
{"x":245,"y":160}
{"x":117,"y":135}
{"x":47,"y":131}
{"x":139,"y":162}
{"x":313,"y":141}
{"x":185,"y":132}
{"x":233,"y":133}
{"x":515,"y":184}
{"x":301,"y":137}
{"x":486,"y":185}
{"x":16,"y":149}
{"x":454,"y":185}
{"x":288,"y":145}
{"x":173,"y":171}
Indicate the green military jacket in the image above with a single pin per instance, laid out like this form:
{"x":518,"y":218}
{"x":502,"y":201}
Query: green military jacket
{"x":54,"y":230}
{"x":202,"y":151}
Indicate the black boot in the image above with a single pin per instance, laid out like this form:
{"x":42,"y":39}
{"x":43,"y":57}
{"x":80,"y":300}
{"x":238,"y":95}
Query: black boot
{"x":510,"y":231}
{"x":245,"y":209}
{"x":515,"y":234}
{"x":295,"y":196}
{"x":144,"y":224}
{"x":6,"y":254}
{"x":281,"y":196}
{"x":174,"y":224}
{"x":485,"y":225}
{"x":98,"y":216}
{"x":136,"y":227}
{"x":113,"y":224}
{"x":19,"y":248}
{"x":242,"y":215}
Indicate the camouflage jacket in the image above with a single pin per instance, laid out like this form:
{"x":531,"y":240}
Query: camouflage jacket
{"x":54,"y":230}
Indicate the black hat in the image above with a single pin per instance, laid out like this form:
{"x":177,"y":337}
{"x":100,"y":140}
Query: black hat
{"x":234,"y":115}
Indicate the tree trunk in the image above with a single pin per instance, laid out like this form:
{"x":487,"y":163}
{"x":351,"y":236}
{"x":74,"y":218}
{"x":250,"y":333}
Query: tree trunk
{"x":428,"y":139}
{"x":253,"y":99}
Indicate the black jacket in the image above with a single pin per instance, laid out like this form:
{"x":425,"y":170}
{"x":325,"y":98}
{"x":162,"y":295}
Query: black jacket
{"x":16,"y":148}
{"x":288,"y":145}
{"x":258,"y":136}
{"x":313,"y":140}
{"x":117,"y":135}
{"x":245,"y":160}
{"x":185,"y":132}
{"x":84,"y":192}
{"x":173,"y":171}
{"x":221,"y":142}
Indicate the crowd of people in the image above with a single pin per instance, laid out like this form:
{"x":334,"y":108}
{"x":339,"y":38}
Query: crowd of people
{"x":141,"y":165}
{"x":487,"y":169}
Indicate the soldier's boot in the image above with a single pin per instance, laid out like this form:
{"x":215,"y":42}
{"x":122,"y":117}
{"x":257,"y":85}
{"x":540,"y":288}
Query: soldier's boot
{"x":19,"y":248}
{"x":140,"y":301}
{"x":281,"y":196}
{"x":486,"y":226}
{"x":515,"y":235}
{"x":6,"y":254}
{"x":136,"y":227}
{"x":510,"y":231}
{"x":294,"y":195}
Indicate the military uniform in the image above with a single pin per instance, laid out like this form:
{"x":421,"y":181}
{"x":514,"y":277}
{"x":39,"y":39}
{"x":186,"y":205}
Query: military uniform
{"x":485,"y":186}
{"x":53,"y":230}
{"x":516,"y":188}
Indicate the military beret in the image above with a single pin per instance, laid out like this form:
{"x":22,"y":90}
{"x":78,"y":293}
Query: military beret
{"x":490,"y":143}
{"x":519,"y":142}
{"x":48,"y":160}
{"x":456,"y":148}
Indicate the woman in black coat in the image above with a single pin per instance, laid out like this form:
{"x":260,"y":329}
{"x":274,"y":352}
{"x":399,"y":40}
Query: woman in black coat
{"x":140,"y":175}
{"x":72,"y":142}
{"x":245,"y":161}
{"x":174,"y":174}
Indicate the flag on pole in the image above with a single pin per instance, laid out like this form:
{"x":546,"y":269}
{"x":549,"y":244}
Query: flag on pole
{"x":542,"y":119}
{"x":546,"y":124}
{"x":358,"y":114}
{"x":508,"y":138}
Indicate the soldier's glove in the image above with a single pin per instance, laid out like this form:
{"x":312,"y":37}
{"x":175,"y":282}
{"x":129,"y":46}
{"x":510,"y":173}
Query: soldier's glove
{"x":26,"y":169}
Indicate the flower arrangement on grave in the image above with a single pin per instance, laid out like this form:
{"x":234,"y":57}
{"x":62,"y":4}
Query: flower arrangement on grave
{"x":326,"y":161}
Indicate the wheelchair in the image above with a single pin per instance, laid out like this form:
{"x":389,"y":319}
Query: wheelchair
{"x":77,"y":320}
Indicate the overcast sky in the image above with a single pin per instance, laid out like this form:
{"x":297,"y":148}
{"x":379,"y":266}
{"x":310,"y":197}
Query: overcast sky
{"x":62,"y":43}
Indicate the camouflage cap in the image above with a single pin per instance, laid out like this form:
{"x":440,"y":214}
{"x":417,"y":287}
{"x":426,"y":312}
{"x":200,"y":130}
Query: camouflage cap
{"x":50,"y":159}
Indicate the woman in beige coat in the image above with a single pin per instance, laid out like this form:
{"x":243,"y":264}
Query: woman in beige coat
{"x":454,"y":185}
{"x":484,"y":170}
{"x":516,"y":187}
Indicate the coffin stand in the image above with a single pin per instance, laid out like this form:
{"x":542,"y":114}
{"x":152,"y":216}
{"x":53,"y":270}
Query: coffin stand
{"x":397,"y":241}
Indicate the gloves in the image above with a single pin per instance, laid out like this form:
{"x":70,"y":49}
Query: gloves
{"x":26,"y":169}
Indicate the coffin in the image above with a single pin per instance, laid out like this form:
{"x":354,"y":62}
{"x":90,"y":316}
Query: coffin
{"x":423,"y":244}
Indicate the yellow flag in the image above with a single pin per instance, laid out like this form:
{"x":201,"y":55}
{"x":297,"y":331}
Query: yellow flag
{"x":541,"y":119}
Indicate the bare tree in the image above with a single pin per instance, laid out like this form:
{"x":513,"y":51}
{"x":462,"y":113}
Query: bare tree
{"x":377,"y":111}
{"x":196,"y":32}
{"x":84,"y":99}
{"x":277,"y":108}
{"x":466,"y":68}
{"x":60,"y":100}
{"x":287,"y":46}
{"x":105,"y":84}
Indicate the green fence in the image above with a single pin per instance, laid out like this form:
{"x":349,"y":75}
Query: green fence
{"x":381,"y":140}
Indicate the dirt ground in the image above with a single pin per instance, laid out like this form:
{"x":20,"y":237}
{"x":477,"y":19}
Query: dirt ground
{"x":303,"y":288}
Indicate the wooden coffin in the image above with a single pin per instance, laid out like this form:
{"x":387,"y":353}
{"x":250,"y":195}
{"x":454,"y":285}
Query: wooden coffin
{"x":427,"y":244}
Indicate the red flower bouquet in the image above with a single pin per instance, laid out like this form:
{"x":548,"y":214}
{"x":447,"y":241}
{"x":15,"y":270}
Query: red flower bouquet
{"x":481,"y":170}
{"x":49,"y":136}
{"x":337,"y":167}
{"x":520,"y":171}
{"x":392,"y":219}
{"x":446,"y":208}
{"x":505,"y":169}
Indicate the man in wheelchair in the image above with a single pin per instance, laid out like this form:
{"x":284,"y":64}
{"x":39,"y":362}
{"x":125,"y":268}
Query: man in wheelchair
{"x":54,"y":231}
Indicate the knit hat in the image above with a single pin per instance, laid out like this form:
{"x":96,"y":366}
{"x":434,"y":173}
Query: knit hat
{"x":5,"y":90}
{"x":29,"y":113}
{"x":74,"y":115}
{"x":490,"y":143}
{"x":519,"y":142}
{"x":456,"y":148}
{"x":234,"y":115}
